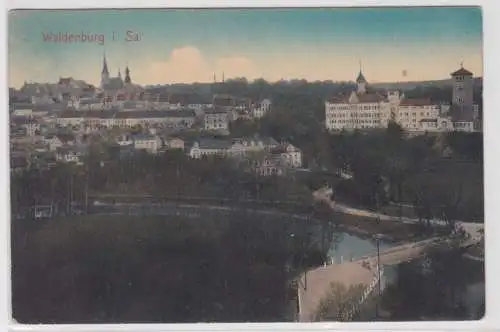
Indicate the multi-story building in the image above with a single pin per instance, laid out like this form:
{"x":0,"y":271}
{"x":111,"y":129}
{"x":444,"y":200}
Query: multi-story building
{"x":210,"y":147}
{"x":216,"y":119}
{"x":270,"y":165}
{"x":235,"y":148}
{"x":174,"y":143}
{"x":463,"y":110}
{"x":261,"y":109}
{"x":364,"y":109}
{"x":411,"y":113}
{"x":149,"y":143}
{"x":359,"y":110}
{"x":70,"y":154}
{"x":126,"y":119}
{"x":291,"y":155}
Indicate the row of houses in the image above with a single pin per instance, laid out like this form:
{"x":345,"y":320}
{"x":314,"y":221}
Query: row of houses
{"x":44,"y":100}
{"x":264,"y":156}
{"x":211,"y":119}
{"x":115,"y":118}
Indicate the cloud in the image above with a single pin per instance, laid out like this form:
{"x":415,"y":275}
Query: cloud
{"x":237,"y":66}
{"x":187,"y":65}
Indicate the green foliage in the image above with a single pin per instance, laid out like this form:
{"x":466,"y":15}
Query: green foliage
{"x":433,"y":289}
{"x":102,"y":269}
{"x":337,"y":304}
{"x":389,"y":167}
{"x":167,"y":175}
{"x":468,"y":146}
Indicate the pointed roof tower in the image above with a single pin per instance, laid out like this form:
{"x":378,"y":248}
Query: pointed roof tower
{"x":127,"y":75}
{"x":361,"y":77}
{"x":104,"y":65}
{"x":462,"y":71}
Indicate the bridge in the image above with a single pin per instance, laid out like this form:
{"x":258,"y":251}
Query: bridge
{"x":315,"y":284}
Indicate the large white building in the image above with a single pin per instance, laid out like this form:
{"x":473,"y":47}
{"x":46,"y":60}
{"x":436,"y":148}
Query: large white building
{"x":362,"y":109}
{"x":359,"y":110}
{"x":261,"y":109}
{"x":216,"y":119}
{"x":237,"y":148}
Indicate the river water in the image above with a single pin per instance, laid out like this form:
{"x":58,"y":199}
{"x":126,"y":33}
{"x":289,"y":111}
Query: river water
{"x":413,"y":291}
{"x":460,"y":279}
{"x":346,"y":247}
{"x":468,"y":276}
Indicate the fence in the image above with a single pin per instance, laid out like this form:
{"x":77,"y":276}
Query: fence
{"x":367,"y":292}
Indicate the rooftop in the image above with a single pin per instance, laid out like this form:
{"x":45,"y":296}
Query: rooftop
{"x":416,"y":102}
{"x":212,"y":143}
{"x":462,"y":72}
{"x":144,"y":137}
{"x":361,"y":78}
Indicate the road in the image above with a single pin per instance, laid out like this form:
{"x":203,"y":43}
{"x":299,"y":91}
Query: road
{"x":473,"y":229}
{"x":315,"y":284}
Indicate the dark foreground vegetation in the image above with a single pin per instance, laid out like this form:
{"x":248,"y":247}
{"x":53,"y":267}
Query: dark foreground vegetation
{"x":121,"y":269}
{"x":445,"y":286}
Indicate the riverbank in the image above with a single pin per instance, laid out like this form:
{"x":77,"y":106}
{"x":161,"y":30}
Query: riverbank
{"x":476,"y":252}
{"x":364,"y":227}
{"x":362,"y":223}
{"x":367,"y":227}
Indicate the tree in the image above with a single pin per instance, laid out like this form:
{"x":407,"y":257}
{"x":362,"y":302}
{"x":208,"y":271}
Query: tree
{"x":328,"y":223}
{"x":339,"y":302}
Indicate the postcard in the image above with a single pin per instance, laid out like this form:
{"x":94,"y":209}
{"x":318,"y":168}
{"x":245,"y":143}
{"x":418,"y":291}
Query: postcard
{"x":246,"y":165}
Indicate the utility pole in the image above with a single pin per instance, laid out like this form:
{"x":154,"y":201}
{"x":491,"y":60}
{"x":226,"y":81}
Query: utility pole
{"x":377,"y":238}
{"x":68,"y":198}
{"x":87,"y":192}
{"x":71,"y":194}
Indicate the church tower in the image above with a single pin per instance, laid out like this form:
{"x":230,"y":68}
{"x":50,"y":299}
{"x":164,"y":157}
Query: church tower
{"x":361,"y":81}
{"x":463,"y":91}
{"x":104,"y":72}
{"x":127,"y":76}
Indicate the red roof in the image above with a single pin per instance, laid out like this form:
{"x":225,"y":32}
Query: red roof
{"x":370,"y":97}
{"x":362,"y":97}
{"x":121,"y":96}
{"x":64,"y":81}
{"x":462,"y":72}
{"x":341,"y":99}
{"x":416,"y":102}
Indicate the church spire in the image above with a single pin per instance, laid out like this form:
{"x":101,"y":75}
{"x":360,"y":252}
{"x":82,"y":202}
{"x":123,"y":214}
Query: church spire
{"x":361,"y":81}
{"x":105,"y":65}
{"x":127,"y":75}
{"x":104,"y":72}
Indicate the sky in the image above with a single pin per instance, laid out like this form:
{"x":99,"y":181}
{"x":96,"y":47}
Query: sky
{"x":185,"y":46}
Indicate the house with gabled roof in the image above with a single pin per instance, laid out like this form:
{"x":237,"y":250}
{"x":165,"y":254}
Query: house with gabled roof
{"x":261,"y":108}
{"x":147,"y":142}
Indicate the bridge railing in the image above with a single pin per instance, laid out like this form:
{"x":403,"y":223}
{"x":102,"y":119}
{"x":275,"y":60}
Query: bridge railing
{"x":366,"y":293}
